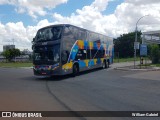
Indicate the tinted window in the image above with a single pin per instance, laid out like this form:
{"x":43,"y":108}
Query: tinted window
{"x":81,"y":54}
{"x":79,"y":34}
{"x":50,"y":33}
{"x":93,"y":36}
{"x":46,"y":54}
{"x":68,"y":39}
{"x":97,"y":53}
{"x":74,"y":32}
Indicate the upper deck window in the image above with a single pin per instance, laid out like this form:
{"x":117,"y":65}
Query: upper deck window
{"x":50,"y":33}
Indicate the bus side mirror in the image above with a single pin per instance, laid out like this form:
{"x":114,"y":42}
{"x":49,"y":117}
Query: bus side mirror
{"x":33,"y":40}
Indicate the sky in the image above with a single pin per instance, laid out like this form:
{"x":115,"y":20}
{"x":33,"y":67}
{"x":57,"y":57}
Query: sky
{"x":20,"y":19}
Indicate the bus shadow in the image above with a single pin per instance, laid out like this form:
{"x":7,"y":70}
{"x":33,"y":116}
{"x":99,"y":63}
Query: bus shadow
{"x":52,"y":78}
{"x":89,"y":71}
{"x":65,"y":77}
{"x":69,"y":76}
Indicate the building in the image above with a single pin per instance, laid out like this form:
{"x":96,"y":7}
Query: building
{"x":26,"y":52}
{"x":7,"y":47}
{"x":151,"y":37}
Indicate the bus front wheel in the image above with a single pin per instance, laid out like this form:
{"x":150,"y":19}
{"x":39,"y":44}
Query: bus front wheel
{"x":108,"y":63}
{"x":75,"y":70}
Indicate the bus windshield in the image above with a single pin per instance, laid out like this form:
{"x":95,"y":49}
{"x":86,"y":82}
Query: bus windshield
{"x":50,"y":33}
{"x":46,"y":55}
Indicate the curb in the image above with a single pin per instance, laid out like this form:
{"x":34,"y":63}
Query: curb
{"x":26,"y":67}
{"x":17,"y":67}
{"x":128,"y":69}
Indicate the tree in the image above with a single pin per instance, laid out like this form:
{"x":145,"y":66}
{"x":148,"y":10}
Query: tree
{"x":124,"y":44}
{"x":11,"y":53}
{"x":6,"y":54}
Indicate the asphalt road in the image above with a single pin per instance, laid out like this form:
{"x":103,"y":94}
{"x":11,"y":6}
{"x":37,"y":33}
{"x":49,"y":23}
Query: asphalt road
{"x":98,"y":90}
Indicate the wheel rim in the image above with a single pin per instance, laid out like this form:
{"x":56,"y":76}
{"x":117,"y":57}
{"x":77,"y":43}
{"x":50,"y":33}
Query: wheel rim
{"x":103,"y":65}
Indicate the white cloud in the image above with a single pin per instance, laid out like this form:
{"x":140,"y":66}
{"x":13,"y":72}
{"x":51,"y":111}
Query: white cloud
{"x":33,"y":7}
{"x":123,"y":19}
{"x":15,"y":31}
{"x":3,"y":2}
{"x":21,"y":35}
{"x":100,"y":5}
{"x":130,"y":11}
{"x":142,"y":2}
{"x":88,"y":17}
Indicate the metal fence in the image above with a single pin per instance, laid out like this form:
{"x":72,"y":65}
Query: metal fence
{"x":22,"y":58}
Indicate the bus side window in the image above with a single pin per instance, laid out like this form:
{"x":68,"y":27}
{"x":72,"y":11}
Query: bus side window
{"x":81,"y":35}
{"x":74,"y":32}
{"x":81,"y":55}
{"x":65,"y":55}
{"x":66,"y":32}
{"x":68,"y":39}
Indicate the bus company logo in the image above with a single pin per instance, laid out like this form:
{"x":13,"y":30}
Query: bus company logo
{"x":6,"y":114}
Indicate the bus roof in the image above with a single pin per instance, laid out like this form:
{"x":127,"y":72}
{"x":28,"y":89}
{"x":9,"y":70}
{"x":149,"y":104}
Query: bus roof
{"x":110,"y":38}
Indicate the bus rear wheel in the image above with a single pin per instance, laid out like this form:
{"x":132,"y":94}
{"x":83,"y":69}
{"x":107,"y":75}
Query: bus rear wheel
{"x":104,"y":65}
{"x":75,"y":70}
{"x":108,"y":63}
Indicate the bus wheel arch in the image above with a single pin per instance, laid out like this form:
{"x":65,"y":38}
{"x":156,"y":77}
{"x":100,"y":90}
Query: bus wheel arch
{"x":75,"y":69}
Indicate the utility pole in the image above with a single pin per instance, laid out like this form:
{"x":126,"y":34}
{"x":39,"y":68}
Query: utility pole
{"x":135,"y":43}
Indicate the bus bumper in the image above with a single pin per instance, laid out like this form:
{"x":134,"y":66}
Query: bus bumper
{"x":45,"y":71}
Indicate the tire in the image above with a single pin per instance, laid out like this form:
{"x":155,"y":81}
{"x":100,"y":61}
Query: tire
{"x":75,"y":70}
{"x":107,"y":64}
{"x":104,"y":65}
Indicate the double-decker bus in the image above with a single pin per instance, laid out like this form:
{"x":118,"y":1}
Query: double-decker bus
{"x":67,"y":49}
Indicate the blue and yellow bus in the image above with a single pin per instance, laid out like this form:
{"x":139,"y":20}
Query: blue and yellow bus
{"x":66,"y":49}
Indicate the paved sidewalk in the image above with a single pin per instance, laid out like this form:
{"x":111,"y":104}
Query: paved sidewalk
{"x":124,"y":64}
{"x":130,"y":66}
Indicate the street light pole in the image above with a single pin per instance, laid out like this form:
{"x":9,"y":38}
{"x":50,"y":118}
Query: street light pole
{"x":136,"y":39}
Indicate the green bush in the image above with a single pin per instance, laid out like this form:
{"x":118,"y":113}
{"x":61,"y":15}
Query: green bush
{"x":155,"y":53}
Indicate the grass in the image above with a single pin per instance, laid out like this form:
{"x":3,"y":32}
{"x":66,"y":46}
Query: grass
{"x":16,"y":64}
{"x":157,"y":65}
{"x":116,"y":60}
{"x":152,"y":65}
